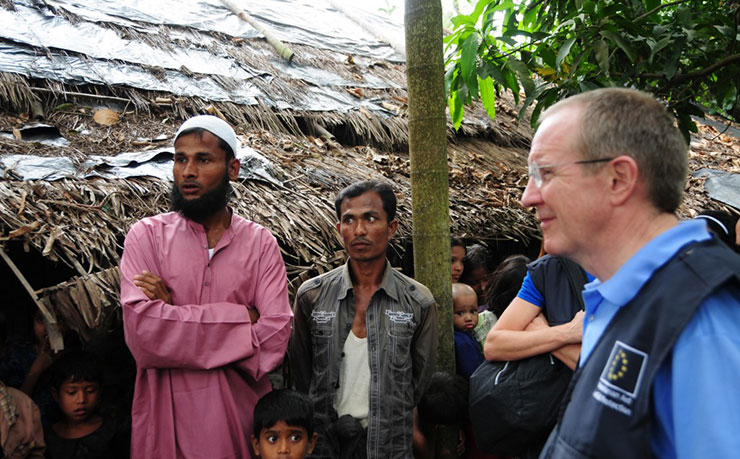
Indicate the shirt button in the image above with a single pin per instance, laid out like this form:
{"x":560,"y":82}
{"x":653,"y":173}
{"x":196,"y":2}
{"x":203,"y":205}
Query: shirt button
{"x":591,"y":318}
{"x":207,"y":283}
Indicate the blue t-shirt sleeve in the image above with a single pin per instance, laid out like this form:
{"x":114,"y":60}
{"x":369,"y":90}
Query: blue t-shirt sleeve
{"x":696,"y":394}
{"x":529,"y":293}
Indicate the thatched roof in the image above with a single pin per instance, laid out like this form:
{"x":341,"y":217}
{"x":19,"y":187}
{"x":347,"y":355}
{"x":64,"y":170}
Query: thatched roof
{"x":331,"y":117}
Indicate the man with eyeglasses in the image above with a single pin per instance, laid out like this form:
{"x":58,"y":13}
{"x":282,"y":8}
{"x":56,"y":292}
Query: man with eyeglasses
{"x":659,"y":355}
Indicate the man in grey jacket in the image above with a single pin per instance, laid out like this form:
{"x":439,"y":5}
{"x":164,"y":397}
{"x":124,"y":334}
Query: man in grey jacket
{"x":365,"y":336}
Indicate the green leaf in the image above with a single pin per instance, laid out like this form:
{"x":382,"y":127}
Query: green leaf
{"x":501,"y":7}
{"x":461,"y":19}
{"x":451,"y":77}
{"x":546,"y":99}
{"x":692,"y":109}
{"x":469,"y":59}
{"x":621,"y":42}
{"x":601,"y":51}
{"x":726,"y":31}
{"x":576,"y":63}
{"x":563,"y":25}
{"x":531,"y":16}
{"x":511,"y":83}
{"x":488,"y":95}
{"x":589,"y":7}
{"x":651,"y":5}
{"x":670,"y":66}
{"x":473,"y":17}
{"x":548,"y":57}
{"x":522,"y":71}
{"x":657,"y":47}
{"x":456,"y":109}
{"x":686,"y":125}
{"x":683,"y":16}
{"x":497,"y":75}
{"x":564,"y":50}
{"x":529,"y":100}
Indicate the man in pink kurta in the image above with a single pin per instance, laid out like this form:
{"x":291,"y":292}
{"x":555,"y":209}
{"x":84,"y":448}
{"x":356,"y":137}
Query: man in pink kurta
{"x":206,"y":311}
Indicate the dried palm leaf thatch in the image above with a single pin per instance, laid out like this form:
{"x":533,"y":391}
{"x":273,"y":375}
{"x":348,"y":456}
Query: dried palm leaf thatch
{"x":16,"y":91}
{"x":85,"y":302}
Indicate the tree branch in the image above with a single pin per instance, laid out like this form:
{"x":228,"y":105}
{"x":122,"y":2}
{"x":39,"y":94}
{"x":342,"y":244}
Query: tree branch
{"x":657,"y":8}
{"x":691,"y":75}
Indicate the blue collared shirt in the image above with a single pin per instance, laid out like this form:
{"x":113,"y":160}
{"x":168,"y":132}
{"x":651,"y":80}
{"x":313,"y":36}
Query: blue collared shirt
{"x":695,"y":392}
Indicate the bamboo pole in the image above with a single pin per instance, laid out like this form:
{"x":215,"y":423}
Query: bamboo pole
{"x":55,"y":337}
{"x":279,"y":46}
{"x":379,"y":34}
{"x":81,"y":94}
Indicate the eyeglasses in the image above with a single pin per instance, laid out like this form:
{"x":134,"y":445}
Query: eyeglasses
{"x":535,"y":169}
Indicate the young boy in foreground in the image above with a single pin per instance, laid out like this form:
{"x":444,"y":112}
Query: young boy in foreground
{"x":283,"y":425}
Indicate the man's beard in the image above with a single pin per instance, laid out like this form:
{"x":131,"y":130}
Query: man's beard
{"x":199,"y":209}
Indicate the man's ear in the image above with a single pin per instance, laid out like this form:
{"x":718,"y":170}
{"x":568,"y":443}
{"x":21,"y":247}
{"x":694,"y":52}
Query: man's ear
{"x":255,"y":445}
{"x":392,"y":227}
{"x":233,"y":168}
{"x":623,"y":179}
{"x":312,"y":442}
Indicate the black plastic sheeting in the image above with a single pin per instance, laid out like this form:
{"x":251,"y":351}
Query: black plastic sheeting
{"x":721,"y":186}
{"x":39,"y":133}
{"x":151,"y":163}
{"x":41,"y":42}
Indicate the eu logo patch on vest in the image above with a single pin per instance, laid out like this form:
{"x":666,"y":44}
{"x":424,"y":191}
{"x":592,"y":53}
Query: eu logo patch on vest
{"x":624,"y":369}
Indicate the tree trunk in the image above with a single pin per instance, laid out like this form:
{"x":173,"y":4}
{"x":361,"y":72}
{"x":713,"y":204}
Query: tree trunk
{"x":429,"y":175}
{"x":429,"y":178}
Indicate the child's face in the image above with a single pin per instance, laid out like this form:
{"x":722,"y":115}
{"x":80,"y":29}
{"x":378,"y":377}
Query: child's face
{"x":78,"y":400}
{"x":283,"y":441}
{"x":457,"y":255}
{"x":465,"y":312}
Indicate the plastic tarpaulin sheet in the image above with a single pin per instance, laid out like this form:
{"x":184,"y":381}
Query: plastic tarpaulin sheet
{"x":308,"y":22}
{"x":151,"y":163}
{"x":27,"y":167}
{"x":721,"y":186}
{"x":78,"y":70}
{"x":126,"y":43}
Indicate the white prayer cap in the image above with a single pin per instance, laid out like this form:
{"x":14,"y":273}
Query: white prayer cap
{"x":215,"y":126}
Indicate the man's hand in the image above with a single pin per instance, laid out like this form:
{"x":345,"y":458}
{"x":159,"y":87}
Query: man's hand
{"x":575,"y":327}
{"x":153,"y":286}
{"x":253,"y":315}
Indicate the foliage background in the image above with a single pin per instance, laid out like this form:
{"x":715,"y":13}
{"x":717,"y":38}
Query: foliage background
{"x":685,"y":52}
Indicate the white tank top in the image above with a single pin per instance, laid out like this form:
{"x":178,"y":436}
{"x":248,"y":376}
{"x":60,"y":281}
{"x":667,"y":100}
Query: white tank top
{"x":353,"y":396}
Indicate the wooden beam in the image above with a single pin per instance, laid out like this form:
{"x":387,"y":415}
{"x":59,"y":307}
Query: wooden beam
{"x":55,"y":337}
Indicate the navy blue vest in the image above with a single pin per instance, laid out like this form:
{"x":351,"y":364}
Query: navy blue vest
{"x":560,"y":281}
{"x":609,"y":404}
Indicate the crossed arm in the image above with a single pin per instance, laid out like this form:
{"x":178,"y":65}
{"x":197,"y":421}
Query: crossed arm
{"x":522,"y":331}
{"x":155,"y":289}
